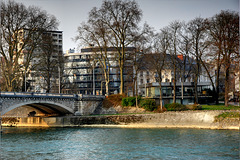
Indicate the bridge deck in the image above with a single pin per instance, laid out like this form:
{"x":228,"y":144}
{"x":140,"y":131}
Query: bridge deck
{"x":47,"y":95}
{"x":37,"y":95}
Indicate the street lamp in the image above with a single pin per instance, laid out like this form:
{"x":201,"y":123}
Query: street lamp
{"x":59,"y":81}
{"x":25,"y":84}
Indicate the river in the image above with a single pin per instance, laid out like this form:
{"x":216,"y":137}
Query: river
{"x":117,"y":143}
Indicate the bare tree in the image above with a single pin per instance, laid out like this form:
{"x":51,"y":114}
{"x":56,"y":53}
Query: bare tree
{"x":142,"y":46}
{"x":197,"y":30}
{"x":185,"y":49}
{"x":96,"y":34}
{"x":224,"y":30}
{"x":20,"y":30}
{"x":174,"y":29}
{"x":121,"y":18}
{"x":46,"y":65}
{"x":161,"y":43}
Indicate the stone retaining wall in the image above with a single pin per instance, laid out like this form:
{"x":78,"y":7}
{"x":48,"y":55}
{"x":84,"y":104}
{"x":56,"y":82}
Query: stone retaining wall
{"x":184,"y":119}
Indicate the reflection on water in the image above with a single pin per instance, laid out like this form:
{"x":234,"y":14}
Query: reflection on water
{"x":106,"y":143}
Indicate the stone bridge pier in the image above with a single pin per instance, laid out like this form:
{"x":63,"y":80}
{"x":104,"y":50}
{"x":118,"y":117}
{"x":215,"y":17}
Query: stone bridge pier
{"x":88,"y":104}
{"x":51,"y":104}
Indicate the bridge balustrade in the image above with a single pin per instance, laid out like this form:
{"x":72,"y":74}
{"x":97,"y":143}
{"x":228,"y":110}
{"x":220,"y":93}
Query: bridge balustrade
{"x":34,"y":94}
{"x":77,"y":104}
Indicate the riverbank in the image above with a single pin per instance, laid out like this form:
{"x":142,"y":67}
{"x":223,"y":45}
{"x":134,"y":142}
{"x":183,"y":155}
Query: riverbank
{"x":182,"y":119}
{"x":185,"y":119}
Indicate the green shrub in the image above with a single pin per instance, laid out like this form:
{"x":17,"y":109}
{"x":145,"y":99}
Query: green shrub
{"x":166,"y":105}
{"x":176,"y":107}
{"x":139,"y":98}
{"x":148,"y":104}
{"x":124,"y":102}
{"x":129,"y":101}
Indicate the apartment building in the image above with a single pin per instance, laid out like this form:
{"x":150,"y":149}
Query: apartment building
{"x":42,"y":73}
{"x":84,"y":75}
{"x":148,"y":81}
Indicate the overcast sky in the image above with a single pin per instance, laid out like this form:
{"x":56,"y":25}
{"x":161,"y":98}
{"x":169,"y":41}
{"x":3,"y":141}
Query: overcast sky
{"x":157,"y":13}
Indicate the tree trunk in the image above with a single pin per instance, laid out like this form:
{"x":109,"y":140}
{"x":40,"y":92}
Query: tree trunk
{"x":174,"y":85}
{"x":134,"y":86}
{"x":161,"y":100}
{"x":121,"y":79}
{"x":135,"y":91}
{"x":226,"y":85}
{"x":107,"y":87}
{"x":160,"y":90}
{"x":217,"y":76}
{"x":195,"y":90}
{"x":217,"y":86}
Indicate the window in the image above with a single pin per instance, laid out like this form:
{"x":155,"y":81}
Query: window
{"x":147,"y":73}
{"x":148,"y":81}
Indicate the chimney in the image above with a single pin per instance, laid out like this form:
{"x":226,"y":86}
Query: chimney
{"x":180,"y":56}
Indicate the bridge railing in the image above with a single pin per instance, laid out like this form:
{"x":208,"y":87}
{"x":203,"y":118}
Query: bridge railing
{"x":33,"y":94}
{"x":48,"y":95}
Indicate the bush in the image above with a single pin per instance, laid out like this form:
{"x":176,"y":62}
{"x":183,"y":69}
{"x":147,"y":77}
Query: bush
{"x":129,"y":101}
{"x":194,"y":107}
{"x":176,"y":107}
{"x":124,"y":102}
{"x":148,"y":104}
{"x":166,"y":105}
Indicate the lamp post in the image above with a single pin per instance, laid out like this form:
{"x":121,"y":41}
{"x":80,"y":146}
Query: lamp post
{"x":59,"y":81}
{"x":94,"y":78}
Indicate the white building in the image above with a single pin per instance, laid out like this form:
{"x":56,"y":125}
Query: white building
{"x":84,"y":75}
{"x":35,"y":79}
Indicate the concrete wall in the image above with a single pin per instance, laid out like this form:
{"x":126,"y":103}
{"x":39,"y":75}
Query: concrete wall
{"x":185,"y":119}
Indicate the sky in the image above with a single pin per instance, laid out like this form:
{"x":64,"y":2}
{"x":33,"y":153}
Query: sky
{"x":157,"y":13}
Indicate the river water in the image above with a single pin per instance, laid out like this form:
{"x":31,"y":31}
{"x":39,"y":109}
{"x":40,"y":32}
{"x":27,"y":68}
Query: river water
{"x":116,"y":143}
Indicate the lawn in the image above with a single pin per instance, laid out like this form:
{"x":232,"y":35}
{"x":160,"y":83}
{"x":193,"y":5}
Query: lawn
{"x":220,"y":107}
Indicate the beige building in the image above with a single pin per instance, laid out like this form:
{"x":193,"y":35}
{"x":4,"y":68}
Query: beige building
{"x":36,"y":74}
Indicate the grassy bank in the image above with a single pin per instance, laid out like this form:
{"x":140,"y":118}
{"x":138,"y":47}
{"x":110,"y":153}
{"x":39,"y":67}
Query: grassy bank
{"x":229,"y":115}
{"x":219,"y":107}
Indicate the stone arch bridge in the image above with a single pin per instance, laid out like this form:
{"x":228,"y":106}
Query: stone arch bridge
{"x":48,"y":103}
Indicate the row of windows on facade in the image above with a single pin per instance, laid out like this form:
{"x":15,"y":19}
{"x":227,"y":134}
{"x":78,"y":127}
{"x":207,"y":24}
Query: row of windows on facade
{"x":90,"y":85}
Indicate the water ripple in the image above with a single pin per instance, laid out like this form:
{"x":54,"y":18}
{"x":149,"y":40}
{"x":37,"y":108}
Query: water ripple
{"x":105,"y":143}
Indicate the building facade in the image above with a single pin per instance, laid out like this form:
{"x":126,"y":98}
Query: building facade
{"x":84,"y":75}
{"x":42,"y":74}
{"x":148,"y":82}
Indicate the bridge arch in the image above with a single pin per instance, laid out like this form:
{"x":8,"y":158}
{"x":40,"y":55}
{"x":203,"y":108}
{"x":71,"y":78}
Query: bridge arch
{"x":57,"y":107}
